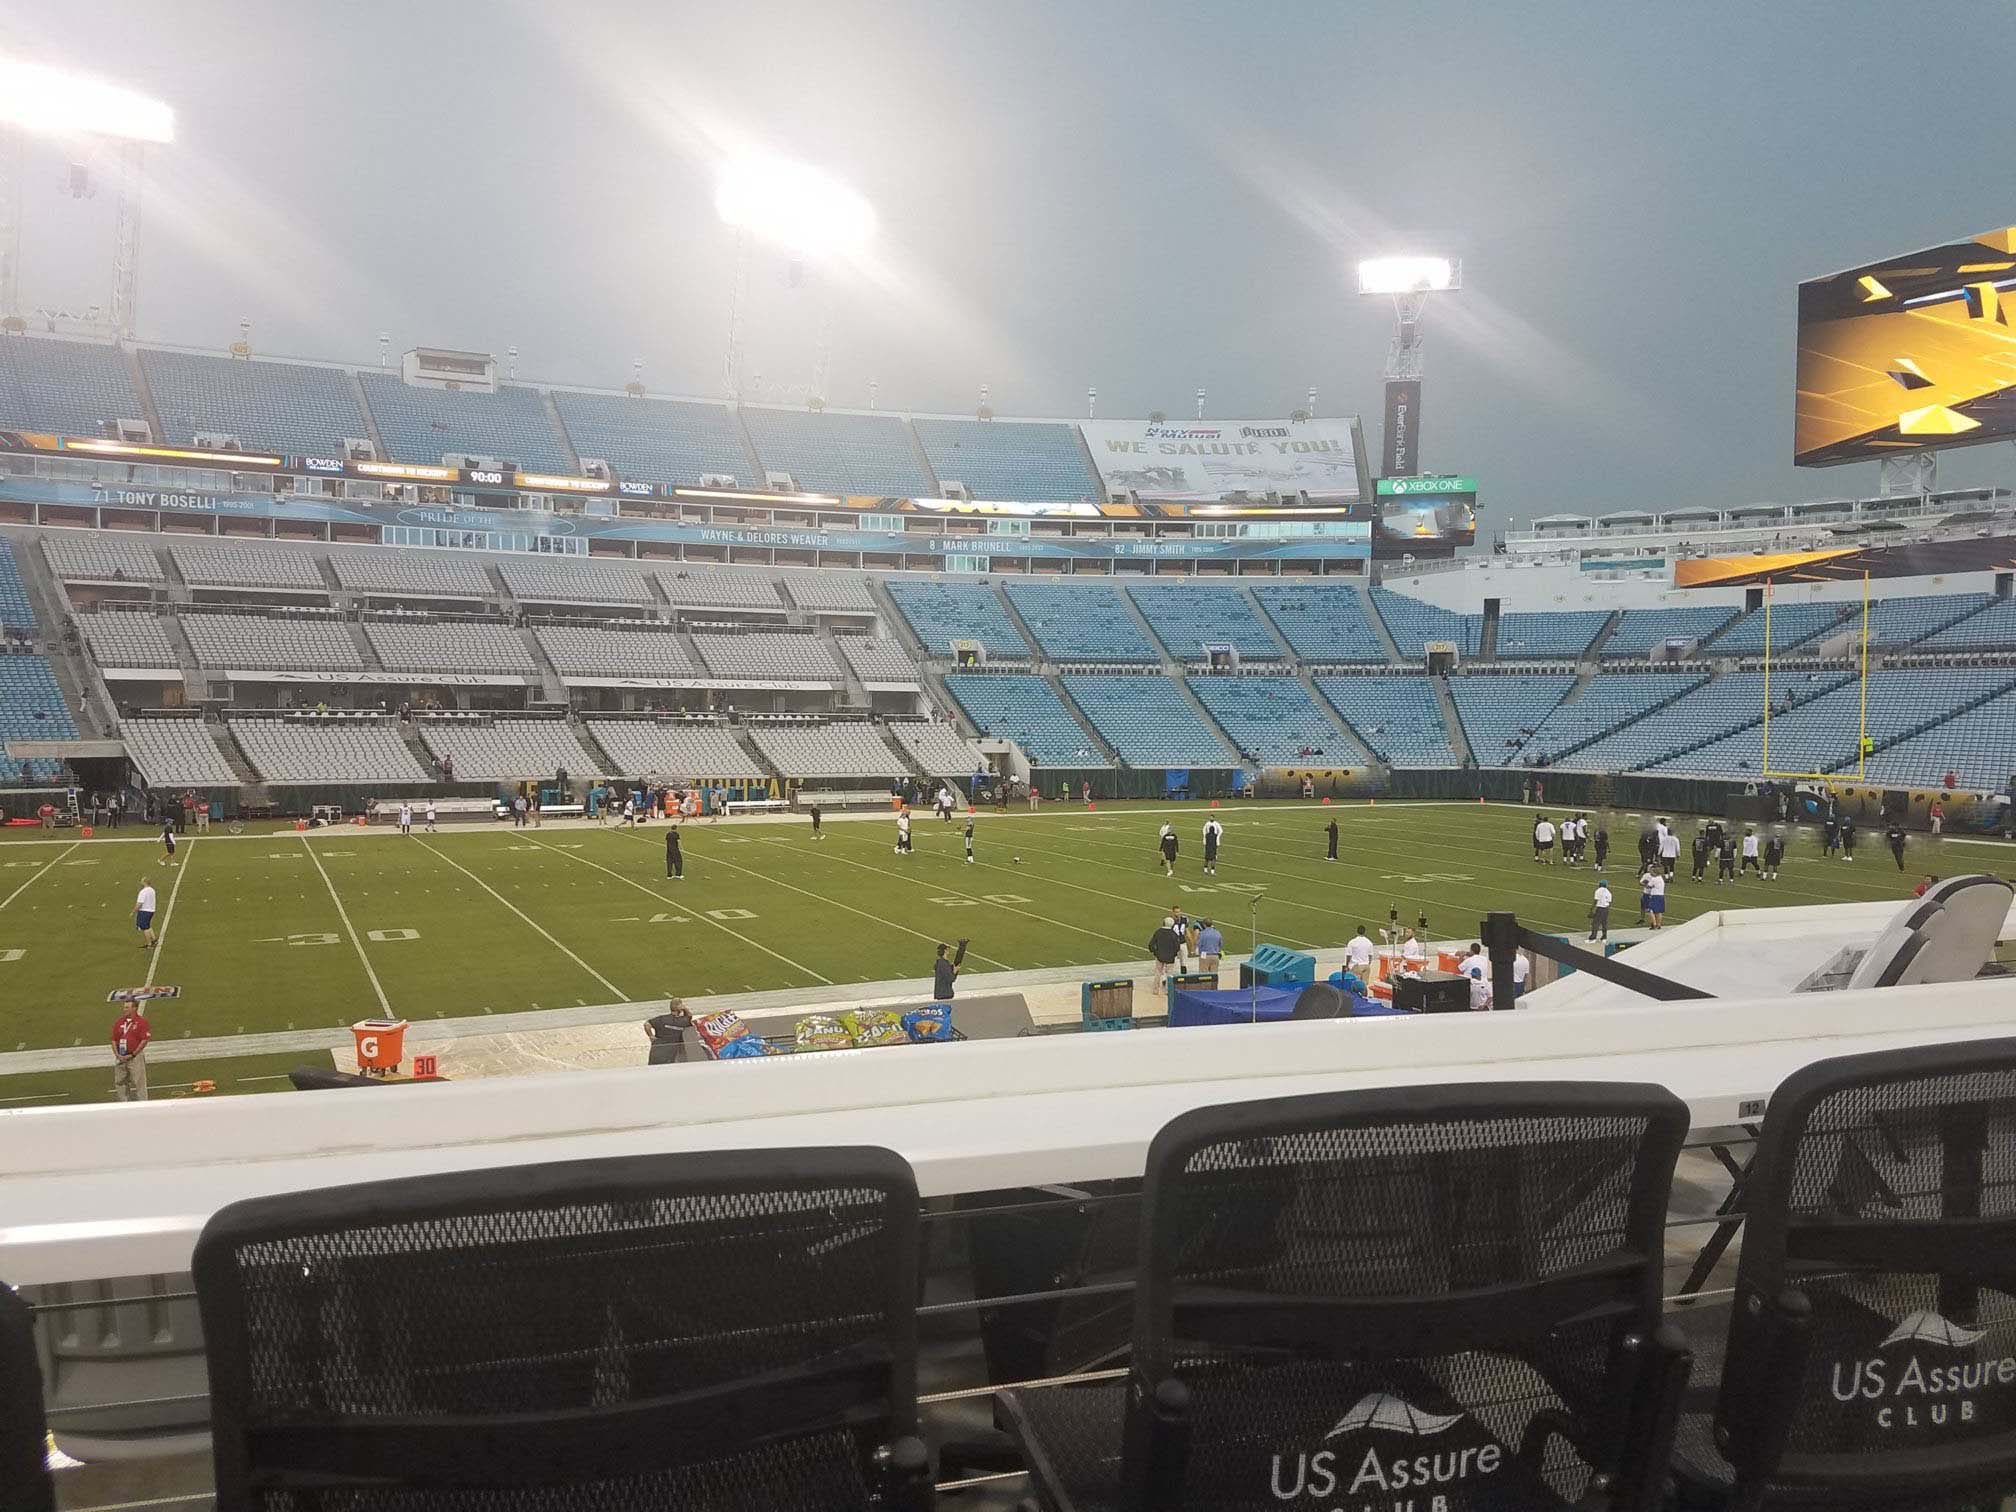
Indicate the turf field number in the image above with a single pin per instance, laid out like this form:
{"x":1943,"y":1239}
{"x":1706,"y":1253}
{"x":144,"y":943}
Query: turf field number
{"x":1003,"y":898}
{"x":665,"y":918}
{"x":1425,"y":877}
{"x":300,"y":939}
{"x":729,"y":913}
{"x":386,"y":936}
{"x":7,"y":957}
{"x":1241,"y":887}
{"x":955,"y":902}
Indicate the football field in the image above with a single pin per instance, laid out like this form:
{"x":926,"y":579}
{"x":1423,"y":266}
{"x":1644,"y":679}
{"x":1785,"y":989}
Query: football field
{"x":291,"y":930}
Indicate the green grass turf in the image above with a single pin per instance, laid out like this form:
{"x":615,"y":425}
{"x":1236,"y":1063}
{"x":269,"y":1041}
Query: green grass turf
{"x":165,"y":1079}
{"x":290,"y":931}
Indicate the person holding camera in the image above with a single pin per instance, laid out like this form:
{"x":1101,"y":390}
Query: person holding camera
{"x":945,"y":971}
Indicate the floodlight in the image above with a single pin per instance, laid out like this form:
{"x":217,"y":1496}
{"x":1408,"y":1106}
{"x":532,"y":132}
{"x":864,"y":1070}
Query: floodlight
{"x":800,"y":208}
{"x":43,"y":99}
{"x":1408,"y":275}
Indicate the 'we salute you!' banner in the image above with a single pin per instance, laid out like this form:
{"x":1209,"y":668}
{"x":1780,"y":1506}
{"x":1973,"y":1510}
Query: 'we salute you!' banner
{"x":1207,"y":459}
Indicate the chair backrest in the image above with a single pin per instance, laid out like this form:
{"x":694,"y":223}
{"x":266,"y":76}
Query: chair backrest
{"x":727,"y":1330}
{"x":24,"y":1471}
{"x":1884,"y":1193}
{"x":1427,"y":1292}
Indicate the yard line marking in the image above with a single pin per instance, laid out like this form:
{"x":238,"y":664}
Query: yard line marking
{"x":37,"y":877}
{"x":349,"y":928}
{"x":956,"y":893}
{"x":621,"y":995}
{"x":714,"y":860}
{"x":633,"y":882}
{"x":167,"y":916}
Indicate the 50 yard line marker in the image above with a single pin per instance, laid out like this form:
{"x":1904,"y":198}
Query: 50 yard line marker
{"x":37,"y":877}
{"x":350,"y":929}
{"x":168,"y":916}
{"x":621,"y":995}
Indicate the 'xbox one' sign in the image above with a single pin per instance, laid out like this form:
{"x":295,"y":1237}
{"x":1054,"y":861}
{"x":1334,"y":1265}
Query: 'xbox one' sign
{"x":1427,"y":486}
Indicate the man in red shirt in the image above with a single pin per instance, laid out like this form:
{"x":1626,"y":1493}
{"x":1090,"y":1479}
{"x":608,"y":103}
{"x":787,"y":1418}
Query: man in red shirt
{"x":130,"y":1033}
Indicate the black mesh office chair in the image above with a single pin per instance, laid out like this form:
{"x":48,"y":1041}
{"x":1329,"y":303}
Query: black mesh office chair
{"x":1871,"y":1344}
{"x":1359,"y":1299}
{"x":24,"y":1471}
{"x":723,"y":1331}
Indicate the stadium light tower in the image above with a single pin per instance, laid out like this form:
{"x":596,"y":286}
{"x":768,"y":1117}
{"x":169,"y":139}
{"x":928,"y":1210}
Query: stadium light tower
{"x":48,"y":101}
{"x":1407,"y":281}
{"x":802,"y":211}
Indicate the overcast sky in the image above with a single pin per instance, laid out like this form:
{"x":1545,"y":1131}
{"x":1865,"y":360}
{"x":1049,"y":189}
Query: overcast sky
{"x":1145,"y":198}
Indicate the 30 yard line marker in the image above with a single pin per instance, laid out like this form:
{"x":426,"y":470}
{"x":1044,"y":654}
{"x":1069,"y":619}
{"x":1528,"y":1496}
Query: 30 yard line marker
{"x":168,"y":916}
{"x":350,"y":929}
{"x":37,"y":877}
{"x":621,"y":995}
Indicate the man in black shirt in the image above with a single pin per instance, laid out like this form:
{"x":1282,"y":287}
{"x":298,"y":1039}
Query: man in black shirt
{"x":1895,"y":835}
{"x":1330,"y":832}
{"x":1847,"y":837}
{"x":1725,"y":859}
{"x":1602,"y":848}
{"x":675,"y":863}
{"x":1164,"y":945}
{"x":1700,"y":855}
{"x":667,"y":1033}
{"x":1774,"y":853}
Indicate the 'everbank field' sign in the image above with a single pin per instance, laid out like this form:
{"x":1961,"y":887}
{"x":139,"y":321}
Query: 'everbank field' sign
{"x":1207,"y":459}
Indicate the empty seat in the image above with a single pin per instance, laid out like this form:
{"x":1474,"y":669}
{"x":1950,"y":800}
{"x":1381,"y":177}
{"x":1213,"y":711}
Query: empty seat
{"x":128,"y":639}
{"x":1398,"y":717}
{"x":1500,"y":714}
{"x":1189,"y":617}
{"x":1901,"y":621}
{"x":258,"y":642}
{"x":1710,"y":712}
{"x":71,"y":387}
{"x":1977,"y":747}
{"x":941,"y":613}
{"x":1026,"y":709}
{"x":531,"y":1337}
{"x":673,"y":749}
{"x":662,"y":440}
{"x":718,"y":588}
{"x":1436,"y":1297}
{"x":1559,"y":633}
{"x":938,"y":750}
{"x":1274,"y":720}
{"x":32,"y":708}
{"x":507,"y":750}
{"x":1412,"y":624}
{"x":590,"y":651}
{"x":1640,"y":632}
{"x":15,"y":611}
{"x":839,"y":454}
{"x":1992,"y":628}
{"x":425,"y":424}
{"x":1791,"y":626}
{"x":826,"y":751}
{"x":1322,"y":622}
{"x":338,"y":749}
{"x":575,"y":580}
{"x":247,"y":564}
{"x":877,"y":660}
{"x":774,"y":656}
{"x":79,"y":556}
{"x":1607,"y":702}
{"x":449,"y":645}
{"x":176,"y":753}
{"x":269,"y":406}
{"x":1868,"y":1341}
{"x":1081,"y":624}
{"x":1009,"y":459}
{"x":840,"y":591}
{"x":1148,"y":722}
{"x":410,"y":574}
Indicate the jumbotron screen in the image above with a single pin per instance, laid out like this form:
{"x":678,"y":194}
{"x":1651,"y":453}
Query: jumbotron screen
{"x":1909,"y":353}
{"x":1435,"y":514}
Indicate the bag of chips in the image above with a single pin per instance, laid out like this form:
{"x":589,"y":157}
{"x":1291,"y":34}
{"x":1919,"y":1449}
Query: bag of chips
{"x":873,"y":1026}
{"x":719,"y":1030}
{"x":821,"y":1031}
{"x":925,"y":1025}
{"x":745,"y":1045}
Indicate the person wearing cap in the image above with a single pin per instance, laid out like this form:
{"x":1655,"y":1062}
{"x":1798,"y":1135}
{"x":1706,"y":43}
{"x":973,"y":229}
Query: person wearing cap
{"x":1165,"y":945}
{"x":1599,"y":911}
{"x":944,"y":974}
{"x":130,"y":1034}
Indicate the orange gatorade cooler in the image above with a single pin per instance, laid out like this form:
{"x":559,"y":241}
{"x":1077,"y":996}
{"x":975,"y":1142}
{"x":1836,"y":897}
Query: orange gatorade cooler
{"x":381,"y":1045}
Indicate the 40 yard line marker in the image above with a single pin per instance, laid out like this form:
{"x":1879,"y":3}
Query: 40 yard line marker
{"x":621,"y":995}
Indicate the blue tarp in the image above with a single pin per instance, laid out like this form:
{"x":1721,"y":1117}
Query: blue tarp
{"x":1236,"y":1006}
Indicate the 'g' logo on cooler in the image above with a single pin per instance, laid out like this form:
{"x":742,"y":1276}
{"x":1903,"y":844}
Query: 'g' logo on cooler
{"x":367,"y":1047}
